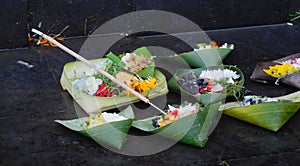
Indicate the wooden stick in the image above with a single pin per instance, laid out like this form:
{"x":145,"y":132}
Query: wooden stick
{"x":92,"y":65}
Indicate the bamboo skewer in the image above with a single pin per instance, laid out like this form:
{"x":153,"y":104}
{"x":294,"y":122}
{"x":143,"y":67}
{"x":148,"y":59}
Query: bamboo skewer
{"x":82,"y":59}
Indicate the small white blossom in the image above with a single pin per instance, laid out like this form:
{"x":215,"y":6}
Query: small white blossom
{"x":126,"y":57}
{"x":112,"y":117}
{"x":217,"y":88}
{"x":219,"y":75}
{"x":87,"y":84}
{"x":225,"y":45}
{"x":209,"y":46}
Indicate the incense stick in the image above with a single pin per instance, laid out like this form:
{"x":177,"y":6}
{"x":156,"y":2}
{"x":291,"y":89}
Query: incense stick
{"x":82,"y":59}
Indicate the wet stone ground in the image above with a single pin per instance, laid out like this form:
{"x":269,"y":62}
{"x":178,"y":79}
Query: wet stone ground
{"x":32,"y":98}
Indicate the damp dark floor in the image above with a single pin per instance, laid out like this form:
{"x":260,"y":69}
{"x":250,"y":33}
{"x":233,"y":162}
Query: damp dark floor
{"x":32,"y":98}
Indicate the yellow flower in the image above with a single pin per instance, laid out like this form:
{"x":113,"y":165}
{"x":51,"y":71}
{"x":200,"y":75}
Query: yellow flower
{"x":152,"y":82}
{"x":293,"y":69}
{"x":93,"y":122}
{"x":281,"y":70}
{"x":142,"y":86}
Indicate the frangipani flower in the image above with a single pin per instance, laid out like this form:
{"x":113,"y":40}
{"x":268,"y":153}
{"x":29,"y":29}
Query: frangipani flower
{"x":87,"y":84}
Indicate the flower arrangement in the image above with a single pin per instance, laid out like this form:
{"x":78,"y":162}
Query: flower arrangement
{"x":100,"y":86}
{"x":213,"y":44}
{"x":204,"y":55}
{"x":266,"y":112}
{"x":213,"y":81}
{"x":96,"y":93}
{"x":95,"y":84}
{"x":209,"y":84}
{"x":100,"y":119}
{"x":188,"y":123}
{"x":106,"y":128}
{"x":175,"y":113}
{"x":281,"y":70}
{"x":285,"y":70}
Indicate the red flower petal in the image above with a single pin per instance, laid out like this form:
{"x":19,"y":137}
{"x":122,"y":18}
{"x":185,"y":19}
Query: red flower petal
{"x":175,"y":112}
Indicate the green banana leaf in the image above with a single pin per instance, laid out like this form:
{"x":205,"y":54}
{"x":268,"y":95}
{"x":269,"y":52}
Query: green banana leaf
{"x":113,"y":134}
{"x":268,"y":115}
{"x":148,"y":71}
{"x":201,"y":58}
{"x":93,"y":104}
{"x":193,"y":129}
{"x":206,"y":98}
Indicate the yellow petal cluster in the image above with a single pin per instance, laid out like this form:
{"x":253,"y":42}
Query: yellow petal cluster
{"x":281,"y":70}
{"x":96,"y":121}
{"x":142,"y":86}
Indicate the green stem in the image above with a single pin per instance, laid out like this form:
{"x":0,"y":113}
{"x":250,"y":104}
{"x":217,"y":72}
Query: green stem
{"x":295,"y":16}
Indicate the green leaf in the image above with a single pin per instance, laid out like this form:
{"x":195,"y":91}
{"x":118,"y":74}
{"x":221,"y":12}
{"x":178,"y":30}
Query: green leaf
{"x":295,"y":16}
{"x":293,"y":97}
{"x":93,"y":104}
{"x":269,"y":115}
{"x":143,"y":51}
{"x":193,"y":129}
{"x":148,"y":71}
{"x":207,"y":98}
{"x":111,"y":134}
{"x":115,"y":59}
{"x":201,"y":58}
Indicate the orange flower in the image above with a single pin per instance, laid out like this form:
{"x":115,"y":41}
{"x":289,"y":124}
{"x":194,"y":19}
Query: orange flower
{"x":142,"y":86}
{"x":214,"y":44}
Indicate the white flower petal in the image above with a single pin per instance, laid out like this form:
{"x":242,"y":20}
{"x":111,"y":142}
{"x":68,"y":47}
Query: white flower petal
{"x":217,"y":88}
{"x":230,"y":81}
{"x":112,"y":117}
{"x":219,"y":74}
{"x":87,"y":84}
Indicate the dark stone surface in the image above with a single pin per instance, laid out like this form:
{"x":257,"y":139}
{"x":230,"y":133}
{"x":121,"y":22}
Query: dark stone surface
{"x":84,"y":16}
{"x":216,"y":14}
{"x":31,"y":99}
{"x":13,"y":24}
